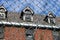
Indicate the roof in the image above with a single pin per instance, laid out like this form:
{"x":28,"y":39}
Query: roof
{"x":38,"y":19}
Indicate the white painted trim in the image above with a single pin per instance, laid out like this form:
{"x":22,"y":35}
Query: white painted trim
{"x":28,"y":24}
{"x":24,"y":17}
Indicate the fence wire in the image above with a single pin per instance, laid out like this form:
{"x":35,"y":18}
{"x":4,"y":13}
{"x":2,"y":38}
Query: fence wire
{"x":38,"y":6}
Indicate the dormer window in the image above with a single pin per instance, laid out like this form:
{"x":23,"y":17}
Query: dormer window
{"x":3,"y":13}
{"x":27,"y":14}
{"x":50,"y":18}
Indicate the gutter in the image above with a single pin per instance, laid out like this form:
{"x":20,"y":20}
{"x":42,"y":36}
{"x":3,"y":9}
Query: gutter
{"x":29,"y":24}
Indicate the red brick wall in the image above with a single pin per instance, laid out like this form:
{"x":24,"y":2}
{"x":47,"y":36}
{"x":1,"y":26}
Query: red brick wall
{"x":37,"y":35}
{"x":43,"y":34}
{"x":14,"y":33}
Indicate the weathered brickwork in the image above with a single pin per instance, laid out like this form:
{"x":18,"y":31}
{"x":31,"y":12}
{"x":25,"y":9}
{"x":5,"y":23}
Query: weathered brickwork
{"x":43,"y":34}
{"x":13,"y":33}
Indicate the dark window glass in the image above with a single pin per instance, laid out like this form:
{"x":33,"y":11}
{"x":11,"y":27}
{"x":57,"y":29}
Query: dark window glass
{"x":29,"y":34}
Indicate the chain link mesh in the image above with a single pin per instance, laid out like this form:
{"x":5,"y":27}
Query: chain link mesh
{"x":38,"y":6}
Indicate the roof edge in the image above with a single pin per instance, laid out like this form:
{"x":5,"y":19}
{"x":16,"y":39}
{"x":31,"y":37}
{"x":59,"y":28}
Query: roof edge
{"x":29,"y":24}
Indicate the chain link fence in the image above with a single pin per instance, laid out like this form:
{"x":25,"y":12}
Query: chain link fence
{"x":38,"y":6}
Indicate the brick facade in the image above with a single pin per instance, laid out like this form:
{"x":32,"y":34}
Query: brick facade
{"x":43,"y":34}
{"x":15,"y":33}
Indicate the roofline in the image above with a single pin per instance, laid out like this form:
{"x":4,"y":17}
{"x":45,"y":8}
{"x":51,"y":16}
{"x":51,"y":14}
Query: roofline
{"x":28,"y":24}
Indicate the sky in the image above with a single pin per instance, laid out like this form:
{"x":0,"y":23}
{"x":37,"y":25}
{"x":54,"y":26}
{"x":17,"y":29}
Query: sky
{"x":38,"y":6}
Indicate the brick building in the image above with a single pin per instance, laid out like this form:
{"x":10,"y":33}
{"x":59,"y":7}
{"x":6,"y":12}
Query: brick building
{"x":13,"y":27}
